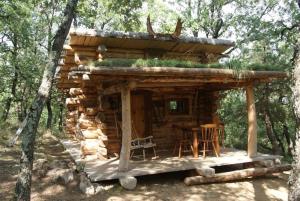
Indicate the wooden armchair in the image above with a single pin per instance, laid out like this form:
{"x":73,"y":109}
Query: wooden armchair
{"x":209,"y":138}
{"x":138,"y":143}
{"x":142,"y":143}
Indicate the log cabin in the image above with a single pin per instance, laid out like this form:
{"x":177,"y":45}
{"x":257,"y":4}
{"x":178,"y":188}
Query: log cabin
{"x":109,"y":105}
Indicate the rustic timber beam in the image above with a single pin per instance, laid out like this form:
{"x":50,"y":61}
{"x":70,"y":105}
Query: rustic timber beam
{"x":118,"y":88}
{"x":252,"y":122}
{"x":76,"y":58}
{"x":85,"y":77}
{"x":235,"y":175}
{"x":195,"y":72}
{"x":126,"y":129}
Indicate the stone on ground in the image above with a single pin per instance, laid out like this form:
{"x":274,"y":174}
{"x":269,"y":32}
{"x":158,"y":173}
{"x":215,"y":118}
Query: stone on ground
{"x":65,"y":175}
{"x":128,"y":182}
{"x":41,"y":167}
{"x":86,"y":186}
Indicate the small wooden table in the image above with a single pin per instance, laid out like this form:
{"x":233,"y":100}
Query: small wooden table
{"x":194,"y":130}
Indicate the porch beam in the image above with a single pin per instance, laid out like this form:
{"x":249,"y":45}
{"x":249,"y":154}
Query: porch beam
{"x":126,"y":129}
{"x":117,"y":88}
{"x":252,"y":122}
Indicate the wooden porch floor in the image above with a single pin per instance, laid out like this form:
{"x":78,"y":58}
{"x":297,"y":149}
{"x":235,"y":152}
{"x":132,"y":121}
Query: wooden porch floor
{"x":98,"y":170}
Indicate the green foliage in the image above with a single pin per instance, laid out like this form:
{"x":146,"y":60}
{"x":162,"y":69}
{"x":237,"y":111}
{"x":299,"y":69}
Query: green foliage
{"x":153,"y":63}
{"x":110,"y":14}
{"x":232,"y":64}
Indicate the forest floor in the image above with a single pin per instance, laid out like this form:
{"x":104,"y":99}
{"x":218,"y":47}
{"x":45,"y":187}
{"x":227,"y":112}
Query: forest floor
{"x":159,"y":187}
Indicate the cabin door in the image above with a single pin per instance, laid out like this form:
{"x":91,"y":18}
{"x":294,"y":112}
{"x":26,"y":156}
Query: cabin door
{"x":141,"y":114}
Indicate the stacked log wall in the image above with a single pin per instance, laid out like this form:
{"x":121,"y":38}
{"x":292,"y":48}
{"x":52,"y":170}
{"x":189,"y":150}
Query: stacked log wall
{"x":96,"y":122}
{"x":165,"y":135}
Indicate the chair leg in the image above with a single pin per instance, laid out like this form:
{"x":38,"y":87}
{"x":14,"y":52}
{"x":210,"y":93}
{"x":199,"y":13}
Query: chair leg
{"x":204,"y":149}
{"x":179,"y":155}
{"x":154,"y":152}
{"x":131,"y":154}
{"x":144,"y":154}
{"x":213,"y":145}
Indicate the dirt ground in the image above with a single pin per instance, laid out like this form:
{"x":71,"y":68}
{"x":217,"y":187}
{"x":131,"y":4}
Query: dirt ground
{"x":159,"y":187}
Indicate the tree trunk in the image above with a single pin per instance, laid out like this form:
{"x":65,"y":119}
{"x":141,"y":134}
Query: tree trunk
{"x":294,"y":181}
{"x":270,"y":133}
{"x":286,"y":134}
{"x":268,"y":122}
{"x":50,"y":114}
{"x":61,"y":112}
{"x":28,"y":133}
{"x":14,"y":81}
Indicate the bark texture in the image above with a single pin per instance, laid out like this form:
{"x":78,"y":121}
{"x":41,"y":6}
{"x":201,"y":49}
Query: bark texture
{"x":50,"y":114}
{"x":294,"y":180}
{"x":28,"y":133}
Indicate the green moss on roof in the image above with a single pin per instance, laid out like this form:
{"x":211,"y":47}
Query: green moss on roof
{"x":235,"y":65}
{"x":154,"y":63}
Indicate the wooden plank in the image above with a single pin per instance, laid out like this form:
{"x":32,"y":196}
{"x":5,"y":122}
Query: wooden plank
{"x":252,"y":122}
{"x":106,"y":170}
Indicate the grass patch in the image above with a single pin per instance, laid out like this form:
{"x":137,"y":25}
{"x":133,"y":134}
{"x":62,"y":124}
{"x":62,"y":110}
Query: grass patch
{"x":154,"y":63}
{"x":234,"y":65}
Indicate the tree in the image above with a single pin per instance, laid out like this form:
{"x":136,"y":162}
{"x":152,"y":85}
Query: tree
{"x":28,"y":134}
{"x":110,"y":14}
{"x":294,"y":181}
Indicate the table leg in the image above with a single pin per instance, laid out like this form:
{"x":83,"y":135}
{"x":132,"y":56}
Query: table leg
{"x":195,"y":144}
{"x":216,"y":142}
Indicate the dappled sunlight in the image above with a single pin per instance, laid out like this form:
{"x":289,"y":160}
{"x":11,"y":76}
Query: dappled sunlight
{"x":167,"y":186}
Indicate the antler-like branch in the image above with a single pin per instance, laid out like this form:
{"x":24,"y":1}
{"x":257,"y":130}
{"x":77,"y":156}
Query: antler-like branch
{"x":149,"y":27}
{"x":178,"y":28}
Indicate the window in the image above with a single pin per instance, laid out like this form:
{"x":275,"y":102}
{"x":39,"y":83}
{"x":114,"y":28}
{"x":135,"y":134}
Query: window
{"x":179,"y":106}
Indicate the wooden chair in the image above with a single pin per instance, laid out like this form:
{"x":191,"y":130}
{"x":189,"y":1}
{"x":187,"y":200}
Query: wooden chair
{"x":221,"y":132}
{"x":141,"y":143}
{"x":208,"y":138}
{"x":183,"y":143}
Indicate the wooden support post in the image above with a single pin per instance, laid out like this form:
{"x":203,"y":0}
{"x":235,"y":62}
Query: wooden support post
{"x":126,"y":129}
{"x":195,"y":143}
{"x":252,"y":123}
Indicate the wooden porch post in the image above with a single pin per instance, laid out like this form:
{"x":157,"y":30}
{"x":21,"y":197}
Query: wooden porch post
{"x":126,"y":129}
{"x":252,"y":123}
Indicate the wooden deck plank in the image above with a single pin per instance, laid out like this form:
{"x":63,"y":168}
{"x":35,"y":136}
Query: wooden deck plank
{"x":107,"y":170}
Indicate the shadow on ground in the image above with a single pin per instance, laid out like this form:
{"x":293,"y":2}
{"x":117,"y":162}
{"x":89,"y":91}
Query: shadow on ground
{"x":162,"y":187}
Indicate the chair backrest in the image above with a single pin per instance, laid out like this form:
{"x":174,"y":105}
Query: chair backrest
{"x":208,"y":131}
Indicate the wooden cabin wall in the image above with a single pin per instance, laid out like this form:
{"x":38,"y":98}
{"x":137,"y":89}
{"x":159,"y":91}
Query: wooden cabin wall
{"x":83,"y":120}
{"x":201,"y":107}
{"x":94,"y":119}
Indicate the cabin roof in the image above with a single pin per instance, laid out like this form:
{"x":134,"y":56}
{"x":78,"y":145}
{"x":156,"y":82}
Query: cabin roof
{"x":87,"y":45}
{"x":142,"y":41}
{"x":217,"y":79}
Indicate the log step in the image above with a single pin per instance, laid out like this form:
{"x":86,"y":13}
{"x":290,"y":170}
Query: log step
{"x":236,"y":175}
